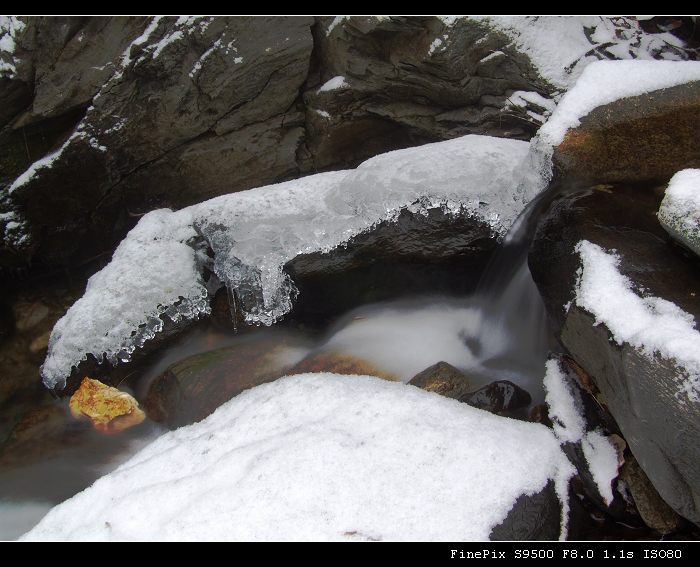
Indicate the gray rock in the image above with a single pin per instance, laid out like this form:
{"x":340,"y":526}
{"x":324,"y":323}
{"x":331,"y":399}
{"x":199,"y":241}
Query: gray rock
{"x":193,"y":109}
{"x":660,"y":428}
{"x":651,"y":507}
{"x":534,"y":517}
{"x":499,"y":396}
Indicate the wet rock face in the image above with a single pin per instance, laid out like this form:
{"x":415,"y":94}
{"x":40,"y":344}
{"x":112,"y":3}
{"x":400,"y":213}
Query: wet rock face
{"x":501,"y":396}
{"x":164,"y":113}
{"x":644,"y":138}
{"x":190,"y":390}
{"x":639,"y":391}
{"x":411,"y":80}
{"x":532,"y":518}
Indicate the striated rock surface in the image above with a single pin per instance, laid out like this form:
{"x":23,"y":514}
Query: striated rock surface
{"x":104,"y":119}
{"x":644,"y":393}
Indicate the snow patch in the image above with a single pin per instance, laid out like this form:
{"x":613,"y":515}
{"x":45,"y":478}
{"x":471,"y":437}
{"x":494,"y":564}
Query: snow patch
{"x":601,"y":456}
{"x":679,"y":213}
{"x":336,"y":21}
{"x":333,"y":84}
{"x":323,"y":113}
{"x":255,"y":233}
{"x":653,"y":325}
{"x":10,"y":28}
{"x":564,"y":407}
{"x":604,"y":82}
{"x":437,"y":42}
{"x":321,"y":457}
{"x":492,"y":56}
{"x":560,"y":47}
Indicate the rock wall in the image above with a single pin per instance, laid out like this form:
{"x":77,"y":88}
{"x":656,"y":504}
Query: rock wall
{"x":104,"y":119}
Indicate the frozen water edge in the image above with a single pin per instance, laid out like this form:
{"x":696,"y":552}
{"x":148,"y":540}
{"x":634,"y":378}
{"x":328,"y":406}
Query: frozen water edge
{"x":157,"y":270}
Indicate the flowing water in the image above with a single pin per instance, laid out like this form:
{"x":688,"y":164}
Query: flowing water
{"x":498,"y":332}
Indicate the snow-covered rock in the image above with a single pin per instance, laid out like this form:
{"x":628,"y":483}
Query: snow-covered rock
{"x":322,"y":457}
{"x":255,"y":233}
{"x":655,"y":326}
{"x":627,"y":306}
{"x":679,"y":213}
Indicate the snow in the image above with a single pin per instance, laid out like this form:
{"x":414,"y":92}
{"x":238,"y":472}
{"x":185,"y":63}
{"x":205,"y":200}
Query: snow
{"x":437,"y":42}
{"x":44,"y":163}
{"x":123,"y":302}
{"x":491,"y":56}
{"x":167,"y":40}
{"x":601,"y":83}
{"x":10,"y":28}
{"x":601,"y":456}
{"x":255,"y":233}
{"x":336,"y":21}
{"x":679,"y":213}
{"x":333,"y":84}
{"x":323,"y":113}
{"x":653,"y":325}
{"x":200,"y":62}
{"x":560,"y":49}
{"x":604,"y":82}
{"x":564,"y":407}
{"x":321,"y":457}
{"x":524,"y":98}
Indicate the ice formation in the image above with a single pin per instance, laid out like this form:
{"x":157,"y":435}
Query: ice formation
{"x":255,"y":233}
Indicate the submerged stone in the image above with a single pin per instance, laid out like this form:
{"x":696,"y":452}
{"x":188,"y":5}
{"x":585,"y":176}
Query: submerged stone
{"x":110,"y":410}
{"x":499,"y":396}
{"x":444,"y":379}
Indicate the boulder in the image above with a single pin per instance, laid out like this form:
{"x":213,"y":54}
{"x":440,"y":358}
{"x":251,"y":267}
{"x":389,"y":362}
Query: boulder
{"x":639,"y":391}
{"x":165,"y":112}
{"x":654,"y":511}
{"x":190,"y":390}
{"x":444,"y":379}
{"x":339,"y":363}
{"x":501,"y":396}
{"x":643,"y":138}
{"x":679,"y":212}
{"x":535,"y":517}
{"x":110,"y":410}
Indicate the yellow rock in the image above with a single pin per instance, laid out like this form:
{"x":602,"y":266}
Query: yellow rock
{"x":110,"y":410}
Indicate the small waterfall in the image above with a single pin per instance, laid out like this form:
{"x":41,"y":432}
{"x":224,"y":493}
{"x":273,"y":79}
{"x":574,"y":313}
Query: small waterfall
{"x":515,"y":337}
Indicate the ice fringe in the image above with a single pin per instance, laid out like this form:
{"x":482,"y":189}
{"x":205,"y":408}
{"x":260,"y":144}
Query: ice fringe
{"x":155,"y":271}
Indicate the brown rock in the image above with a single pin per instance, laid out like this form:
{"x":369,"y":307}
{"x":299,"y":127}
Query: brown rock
{"x":643,"y":138}
{"x":29,"y":316}
{"x":191,"y":389}
{"x":651,"y":507}
{"x":339,"y":363}
{"x":40,"y":343}
{"x":110,"y":410}
{"x":444,"y":379}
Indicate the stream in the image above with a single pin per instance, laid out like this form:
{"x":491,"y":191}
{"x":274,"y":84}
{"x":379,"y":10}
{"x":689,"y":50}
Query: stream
{"x":497,"y":330}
